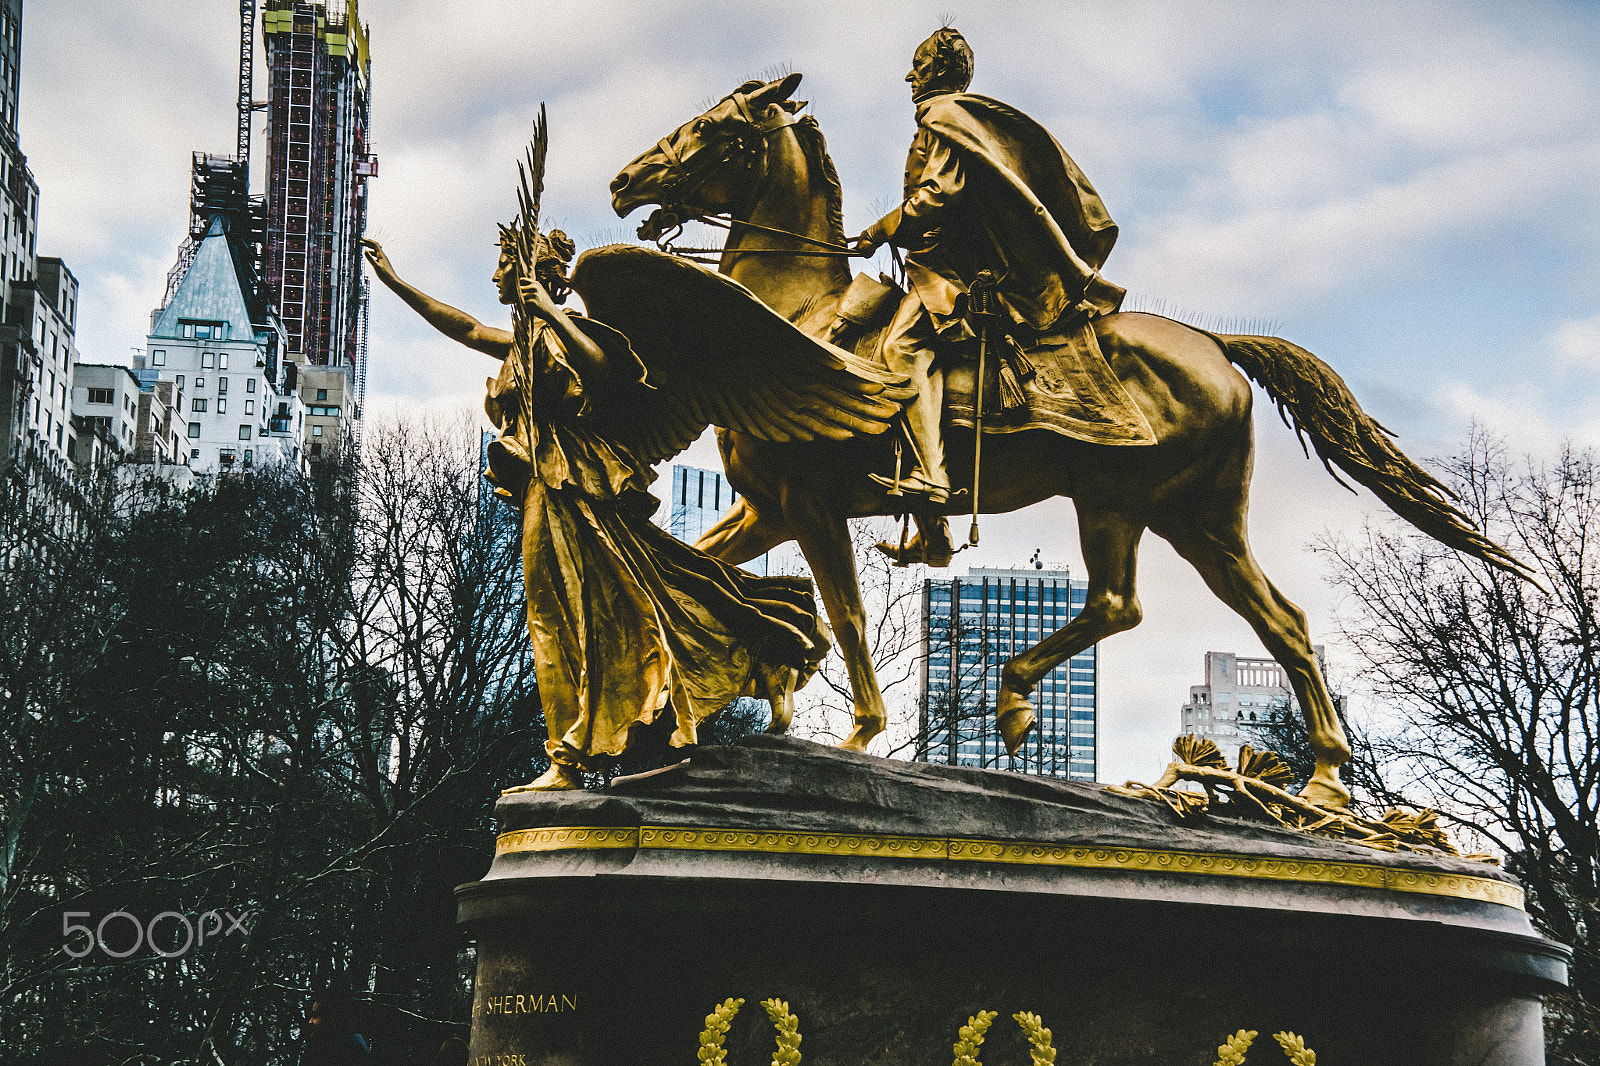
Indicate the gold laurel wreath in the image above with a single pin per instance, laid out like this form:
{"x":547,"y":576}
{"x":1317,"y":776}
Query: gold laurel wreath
{"x":968,"y":1039}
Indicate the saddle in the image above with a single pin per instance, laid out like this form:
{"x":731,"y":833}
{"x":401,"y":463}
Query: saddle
{"x":1057,"y":381}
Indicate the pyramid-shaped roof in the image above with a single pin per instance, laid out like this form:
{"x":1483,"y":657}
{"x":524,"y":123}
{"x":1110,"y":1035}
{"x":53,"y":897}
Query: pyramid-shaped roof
{"x":211,"y":291}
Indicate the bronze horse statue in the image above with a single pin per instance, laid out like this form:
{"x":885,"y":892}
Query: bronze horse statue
{"x":755,"y":160}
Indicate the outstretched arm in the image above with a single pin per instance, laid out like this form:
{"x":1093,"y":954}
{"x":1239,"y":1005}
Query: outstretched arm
{"x":452,"y":322}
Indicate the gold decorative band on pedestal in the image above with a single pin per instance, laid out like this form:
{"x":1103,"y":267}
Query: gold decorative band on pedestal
{"x":951,"y":849}
{"x":566,"y":838}
{"x":794,"y":843}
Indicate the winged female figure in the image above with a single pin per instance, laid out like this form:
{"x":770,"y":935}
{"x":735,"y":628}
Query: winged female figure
{"x":627,"y":622}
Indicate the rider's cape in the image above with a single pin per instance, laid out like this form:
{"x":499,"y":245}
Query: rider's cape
{"x":1027,"y":212}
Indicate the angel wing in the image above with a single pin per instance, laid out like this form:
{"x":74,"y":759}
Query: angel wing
{"x":716,"y":355}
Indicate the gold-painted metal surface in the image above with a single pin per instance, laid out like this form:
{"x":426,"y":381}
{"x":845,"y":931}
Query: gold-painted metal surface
{"x":788,"y":1029}
{"x":627,"y":623}
{"x":1231,"y":1052}
{"x":1040,"y":1050}
{"x":566,"y":838}
{"x":743,"y":160}
{"x":713,"y":1036}
{"x":1294,"y":1046}
{"x":1205,"y":864}
{"x":969,"y":1040}
{"x":1253,"y":792}
{"x":1131,"y":860}
{"x":794,"y":843}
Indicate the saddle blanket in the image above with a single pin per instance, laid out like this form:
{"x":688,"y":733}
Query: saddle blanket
{"x":1072,"y":391}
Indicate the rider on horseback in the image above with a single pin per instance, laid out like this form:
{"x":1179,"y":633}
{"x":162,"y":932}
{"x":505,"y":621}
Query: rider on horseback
{"x":978,"y":169}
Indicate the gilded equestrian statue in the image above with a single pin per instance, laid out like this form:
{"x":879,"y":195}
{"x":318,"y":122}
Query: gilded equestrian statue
{"x":756,"y":162}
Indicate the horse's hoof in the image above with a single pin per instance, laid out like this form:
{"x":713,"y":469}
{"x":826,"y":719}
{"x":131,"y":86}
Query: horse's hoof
{"x":1014,"y":715}
{"x":782,"y":701}
{"x":854,"y":742}
{"x":861,"y":736}
{"x":780,"y":720}
{"x":1331,"y":795}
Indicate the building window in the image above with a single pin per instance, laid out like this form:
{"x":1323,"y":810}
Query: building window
{"x":199,"y":406}
{"x":222,"y":358}
{"x":316,"y":450}
{"x":194,"y":431}
{"x":249,"y":456}
{"x":158,"y":357}
{"x":322,"y":394}
{"x":100,"y":396}
{"x":222,"y":406}
{"x":249,"y":407}
{"x":188,"y":334}
{"x":244,"y":432}
{"x":199,"y":383}
{"x":180,"y":382}
{"x":316,"y":431}
{"x":208,"y":360}
{"x":222,"y":384}
{"x":250,"y":385}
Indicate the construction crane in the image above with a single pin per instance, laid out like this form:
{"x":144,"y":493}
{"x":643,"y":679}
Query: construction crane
{"x":220,"y":183}
{"x":247,"y":62}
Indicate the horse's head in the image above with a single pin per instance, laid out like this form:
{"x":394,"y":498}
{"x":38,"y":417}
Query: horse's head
{"x":706,"y":165}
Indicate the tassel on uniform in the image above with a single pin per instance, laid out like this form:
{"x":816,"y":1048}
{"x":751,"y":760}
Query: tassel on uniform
{"x":1019,"y":360}
{"x":1011,"y":394}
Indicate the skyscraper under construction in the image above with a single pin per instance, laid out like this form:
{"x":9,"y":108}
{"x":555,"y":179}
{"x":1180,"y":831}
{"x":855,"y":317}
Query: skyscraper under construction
{"x":318,"y":162}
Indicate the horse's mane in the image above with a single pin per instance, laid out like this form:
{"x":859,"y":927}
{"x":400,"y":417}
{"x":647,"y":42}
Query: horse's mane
{"x":815,"y":147}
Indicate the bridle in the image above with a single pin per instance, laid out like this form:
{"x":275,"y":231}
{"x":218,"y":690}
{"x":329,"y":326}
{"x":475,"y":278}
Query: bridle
{"x":665,"y":224}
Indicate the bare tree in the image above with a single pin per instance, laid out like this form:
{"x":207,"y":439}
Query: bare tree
{"x":892,"y":596}
{"x":291,"y":698}
{"x":1498,"y":679}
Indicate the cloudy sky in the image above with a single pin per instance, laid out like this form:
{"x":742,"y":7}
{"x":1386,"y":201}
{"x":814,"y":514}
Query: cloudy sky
{"x":1407,"y":188}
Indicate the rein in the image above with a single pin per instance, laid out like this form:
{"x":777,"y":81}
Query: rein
{"x":726,"y":221}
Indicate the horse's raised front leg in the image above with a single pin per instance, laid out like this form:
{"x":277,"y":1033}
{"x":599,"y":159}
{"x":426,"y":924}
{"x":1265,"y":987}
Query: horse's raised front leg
{"x":1218,"y":548}
{"x":824,"y":538}
{"x":1110,"y":545}
{"x":742,"y":534}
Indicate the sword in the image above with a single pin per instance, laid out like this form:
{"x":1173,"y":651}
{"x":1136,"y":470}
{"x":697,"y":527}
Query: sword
{"x":978,"y":300}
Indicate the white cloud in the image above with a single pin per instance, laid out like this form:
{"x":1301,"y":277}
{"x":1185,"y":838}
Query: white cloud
{"x":1576,"y":343}
{"x":1522,"y":416}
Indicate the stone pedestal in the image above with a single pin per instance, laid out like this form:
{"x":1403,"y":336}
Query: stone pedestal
{"x":885,"y":902}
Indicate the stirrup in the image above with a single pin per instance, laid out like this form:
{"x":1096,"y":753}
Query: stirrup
{"x":924,"y":490}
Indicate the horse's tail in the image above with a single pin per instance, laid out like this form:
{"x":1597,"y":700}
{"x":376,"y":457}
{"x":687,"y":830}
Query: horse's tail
{"x":1315,"y":402}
